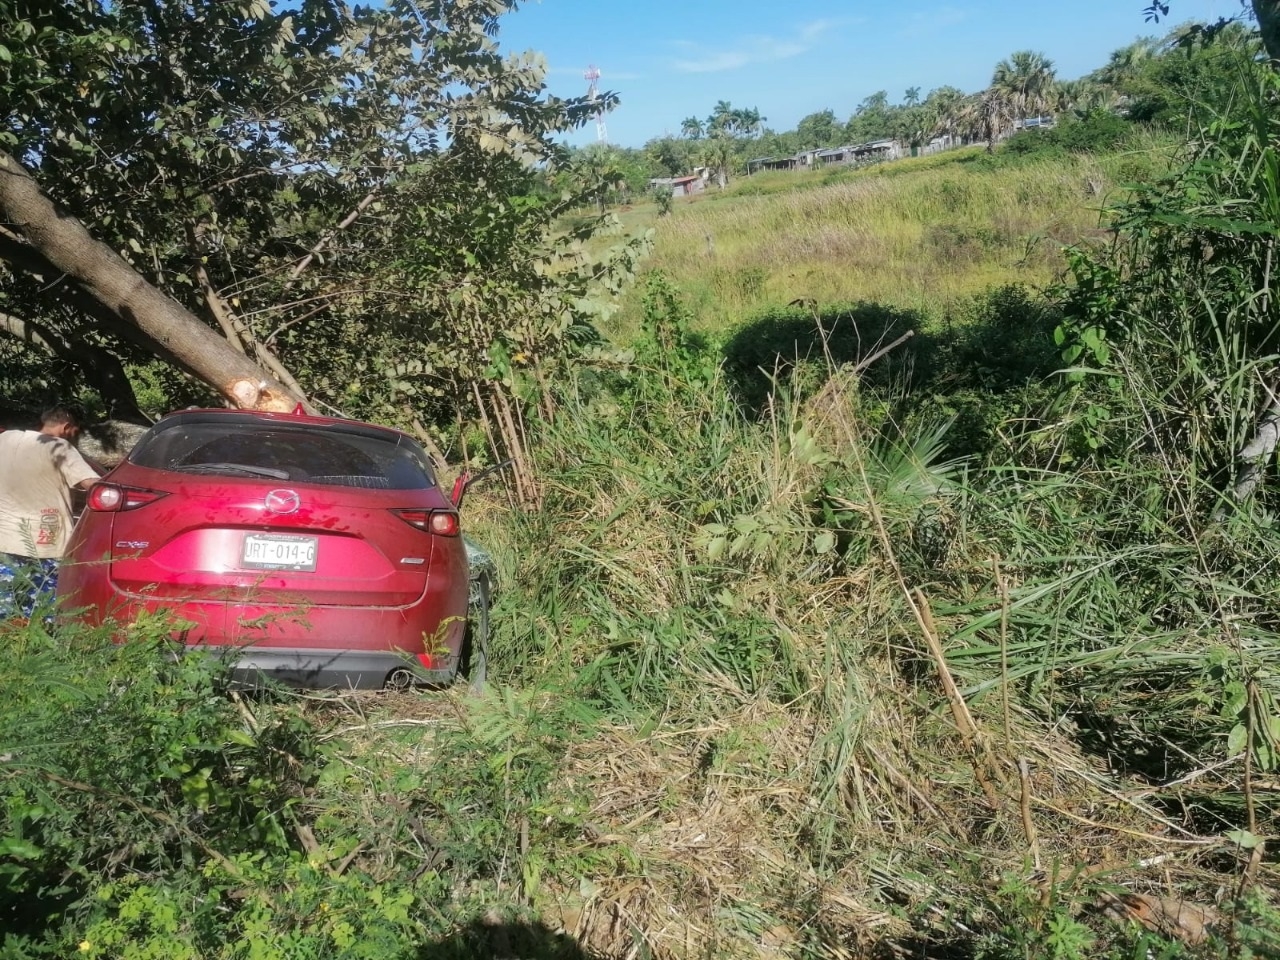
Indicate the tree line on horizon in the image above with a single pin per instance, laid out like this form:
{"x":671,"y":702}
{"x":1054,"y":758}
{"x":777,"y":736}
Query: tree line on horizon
{"x":1145,"y":81}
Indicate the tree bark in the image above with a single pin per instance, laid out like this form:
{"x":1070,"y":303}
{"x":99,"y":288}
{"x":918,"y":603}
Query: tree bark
{"x":56,"y":285}
{"x":100,"y":368}
{"x":65,"y":243}
{"x":1255,"y":454}
{"x":1268,"y":14}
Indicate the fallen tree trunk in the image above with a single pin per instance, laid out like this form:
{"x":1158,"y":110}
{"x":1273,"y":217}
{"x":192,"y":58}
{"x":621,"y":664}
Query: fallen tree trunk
{"x":102,"y":274}
{"x":1254,"y":456}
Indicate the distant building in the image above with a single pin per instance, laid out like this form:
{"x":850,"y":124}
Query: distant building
{"x":851,"y":154}
{"x":685,"y":186}
{"x":770,"y":163}
{"x":877,"y":150}
{"x":856,"y":153}
{"x":834,"y":155}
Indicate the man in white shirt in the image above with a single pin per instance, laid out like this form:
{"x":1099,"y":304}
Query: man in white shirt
{"x":38,"y":471}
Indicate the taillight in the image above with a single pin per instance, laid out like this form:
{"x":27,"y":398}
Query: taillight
{"x":443,"y":523}
{"x":113,"y":498}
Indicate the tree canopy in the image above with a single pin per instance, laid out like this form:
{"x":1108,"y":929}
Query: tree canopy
{"x":1266,"y":12}
{"x":237,"y":166}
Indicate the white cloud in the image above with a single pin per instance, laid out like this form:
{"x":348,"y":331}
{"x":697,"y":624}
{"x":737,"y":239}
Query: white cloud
{"x":752,"y":49}
{"x":816,"y":28}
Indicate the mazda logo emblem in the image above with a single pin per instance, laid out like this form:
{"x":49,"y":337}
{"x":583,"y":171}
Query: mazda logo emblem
{"x":283,"y":501}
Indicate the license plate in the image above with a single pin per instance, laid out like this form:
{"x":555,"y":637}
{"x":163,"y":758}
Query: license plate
{"x":279,"y":551}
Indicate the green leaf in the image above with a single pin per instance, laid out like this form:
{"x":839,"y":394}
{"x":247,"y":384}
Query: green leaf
{"x":1244,"y":839}
{"x":18,"y":849}
{"x":1236,"y":697}
{"x":1237,"y":739}
{"x":241,"y":738}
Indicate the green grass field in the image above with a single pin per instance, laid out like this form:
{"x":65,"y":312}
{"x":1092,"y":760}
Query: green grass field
{"x":916,"y":233}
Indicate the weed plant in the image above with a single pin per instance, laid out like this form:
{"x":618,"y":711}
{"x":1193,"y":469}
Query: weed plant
{"x":147,"y":810}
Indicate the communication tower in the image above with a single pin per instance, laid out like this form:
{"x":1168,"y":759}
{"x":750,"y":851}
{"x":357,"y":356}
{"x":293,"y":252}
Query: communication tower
{"x":592,"y":76}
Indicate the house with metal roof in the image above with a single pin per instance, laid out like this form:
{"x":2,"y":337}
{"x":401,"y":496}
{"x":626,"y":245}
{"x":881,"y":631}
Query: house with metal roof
{"x":685,"y":186}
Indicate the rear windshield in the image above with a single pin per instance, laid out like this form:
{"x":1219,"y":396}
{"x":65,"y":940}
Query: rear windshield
{"x":229,"y":446}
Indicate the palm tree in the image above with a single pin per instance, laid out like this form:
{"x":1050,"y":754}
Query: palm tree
{"x":691,"y":128}
{"x":913,"y":126}
{"x":1025,"y":82}
{"x":1082,"y":96}
{"x":946,"y":109}
{"x":721,"y":119}
{"x":912,"y":96}
{"x":747,"y":121}
{"x":717,"y":155}
{"x":1124,"y":64}
{"x":598,"y":173}
{"x":987,"y":116}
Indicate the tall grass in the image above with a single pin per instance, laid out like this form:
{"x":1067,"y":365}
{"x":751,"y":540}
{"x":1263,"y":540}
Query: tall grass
{"x":972,"y":703}
{"x":928,"y":235}
{"x":848,"y":681}
{"x":788,"y":678}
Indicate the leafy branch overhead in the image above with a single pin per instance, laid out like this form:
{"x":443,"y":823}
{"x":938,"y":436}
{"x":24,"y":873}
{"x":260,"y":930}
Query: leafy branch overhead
{"x":238,"y":166}
{"x":1266,"y":12}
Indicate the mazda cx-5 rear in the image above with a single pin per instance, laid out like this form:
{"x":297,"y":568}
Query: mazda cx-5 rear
{"x":317,"y":551}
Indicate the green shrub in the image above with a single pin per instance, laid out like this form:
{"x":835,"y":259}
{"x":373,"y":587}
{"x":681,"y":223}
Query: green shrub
{"x":663,"y":199}
{"x":121,"y":763}
{"x":1098,"y":132}
{"x":146,"y":810}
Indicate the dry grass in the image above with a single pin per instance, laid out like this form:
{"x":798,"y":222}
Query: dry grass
{"x":718,"y":820}
{"x":792,"y":755}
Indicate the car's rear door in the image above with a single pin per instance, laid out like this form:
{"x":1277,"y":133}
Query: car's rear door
{"x":247,"y":518}
{"x":224,"y":541}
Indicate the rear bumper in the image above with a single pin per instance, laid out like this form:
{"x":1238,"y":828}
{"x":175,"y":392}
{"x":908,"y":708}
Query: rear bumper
{"x":316,"y":668}
{"x":320,"y":646}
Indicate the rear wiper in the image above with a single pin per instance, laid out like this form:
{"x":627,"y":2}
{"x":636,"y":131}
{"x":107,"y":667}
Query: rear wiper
{"x":245,"y":468}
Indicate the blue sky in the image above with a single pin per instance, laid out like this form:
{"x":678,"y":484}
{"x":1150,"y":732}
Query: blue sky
{"x":669,"y":60}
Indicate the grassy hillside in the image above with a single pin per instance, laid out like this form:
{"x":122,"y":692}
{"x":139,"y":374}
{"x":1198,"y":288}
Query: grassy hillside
{"x":917,"y":233}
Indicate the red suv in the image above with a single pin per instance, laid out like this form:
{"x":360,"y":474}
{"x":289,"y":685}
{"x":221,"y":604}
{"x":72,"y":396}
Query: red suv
{"x":316,"y":551}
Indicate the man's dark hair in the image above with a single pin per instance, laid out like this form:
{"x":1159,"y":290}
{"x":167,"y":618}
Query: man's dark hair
{"x":56,"y":416}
